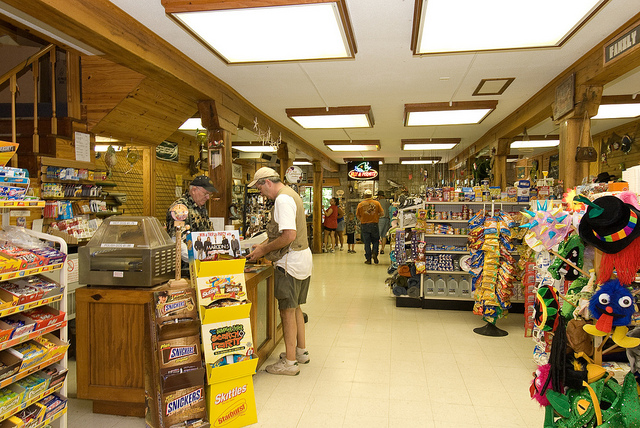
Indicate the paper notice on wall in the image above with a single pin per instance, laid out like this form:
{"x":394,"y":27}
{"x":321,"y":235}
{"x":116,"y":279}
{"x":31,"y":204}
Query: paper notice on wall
{"x":83,"y":147}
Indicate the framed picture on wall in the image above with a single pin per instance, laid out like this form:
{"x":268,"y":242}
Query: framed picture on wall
{"x":554,"y":166}
{"x":564,"y":97}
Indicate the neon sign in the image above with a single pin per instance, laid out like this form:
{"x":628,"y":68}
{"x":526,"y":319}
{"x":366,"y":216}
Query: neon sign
{"x":365,"y":170}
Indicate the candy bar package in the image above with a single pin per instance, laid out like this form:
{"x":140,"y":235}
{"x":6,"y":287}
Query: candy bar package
{"x":53,"y":404}
{"x":176,"y":314}
{"x":180,"y":355}
{"x":55,"y":374}
{"x":183,"y":398}
{"x":44,"y":316}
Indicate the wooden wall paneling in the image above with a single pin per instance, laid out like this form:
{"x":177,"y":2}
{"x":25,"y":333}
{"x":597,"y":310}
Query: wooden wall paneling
{"x":221,"y":178}
{"x":149,"y":191}
{"x":104,"y":85}
{"x":618,"y":160}
{"x":129,"y":180}
{"x":165,"y":174}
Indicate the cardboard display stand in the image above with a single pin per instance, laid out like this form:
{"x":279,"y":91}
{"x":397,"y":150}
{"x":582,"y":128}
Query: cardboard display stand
{"x":227,"y":343}
{"x":174,"y":375}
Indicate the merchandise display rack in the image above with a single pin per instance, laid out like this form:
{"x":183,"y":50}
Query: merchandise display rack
{"x":61,"y":326}
{"x":447,"y":301}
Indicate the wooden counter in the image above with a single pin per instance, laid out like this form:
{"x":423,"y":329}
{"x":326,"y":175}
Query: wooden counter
{"x":110,"y":324}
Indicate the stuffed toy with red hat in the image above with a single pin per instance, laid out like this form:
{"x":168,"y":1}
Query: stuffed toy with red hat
{"x":611,"y":225}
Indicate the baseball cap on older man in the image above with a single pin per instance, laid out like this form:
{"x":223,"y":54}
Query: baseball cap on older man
{"x":204,"y":182}
{"x":262,"y":173}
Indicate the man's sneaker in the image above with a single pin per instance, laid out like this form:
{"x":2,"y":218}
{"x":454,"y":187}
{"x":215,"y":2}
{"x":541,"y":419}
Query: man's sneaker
{"x":375,"y":259}
{"x":300,"y":358}
{"x":282,"y":368}
{"x":367,"y":262}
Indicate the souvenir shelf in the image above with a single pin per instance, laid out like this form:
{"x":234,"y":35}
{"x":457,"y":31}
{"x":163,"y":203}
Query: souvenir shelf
{"x":441,"y":301}
{"x":60,"y":357}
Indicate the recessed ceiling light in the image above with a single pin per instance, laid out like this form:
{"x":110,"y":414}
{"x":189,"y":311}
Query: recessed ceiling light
{"x":535,"y":141}
{"x":496,"y":24}
{"x":618,"y":107}
{"x":420,"y":161}
{"x":332,"y":117}
{"x":285,"y":30}
{"x":253,"y":148}
{"x":300,"y":163}
{"x":191,"y":124}
{"x":430,"y":144}
{"x":455,"y":113}
{"x":352,"y":145}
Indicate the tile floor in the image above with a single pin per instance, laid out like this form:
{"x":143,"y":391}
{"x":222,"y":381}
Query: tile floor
{"x":375,"y":365}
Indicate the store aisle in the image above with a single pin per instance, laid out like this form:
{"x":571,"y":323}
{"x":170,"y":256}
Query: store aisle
{"x":375,"y":365}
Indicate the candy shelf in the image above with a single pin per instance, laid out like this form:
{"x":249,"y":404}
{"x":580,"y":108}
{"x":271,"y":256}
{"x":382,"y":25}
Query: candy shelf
{"x":450,"y":272}
{"x":30,"y":305}
{"x":442,"y":235}
{"x":20,"y":339}
{"x":61,"y":326}
{"x":21,"y":203}
{"x":28,"y":272}
{"x":24,"y":373}
{"x":447,"y":221}
{"x":446,"y":252}
{"x":29,"y":402}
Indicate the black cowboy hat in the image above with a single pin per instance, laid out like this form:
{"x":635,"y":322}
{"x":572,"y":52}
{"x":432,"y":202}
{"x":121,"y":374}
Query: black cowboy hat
{"x":609,"y":224}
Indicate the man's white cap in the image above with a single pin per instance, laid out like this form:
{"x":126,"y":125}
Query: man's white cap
{"x":368,"y":193}
{"x":263,"y":172}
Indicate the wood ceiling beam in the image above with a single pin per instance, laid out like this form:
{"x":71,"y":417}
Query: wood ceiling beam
{"x":589,"y":71}
{"x":105,"y":27}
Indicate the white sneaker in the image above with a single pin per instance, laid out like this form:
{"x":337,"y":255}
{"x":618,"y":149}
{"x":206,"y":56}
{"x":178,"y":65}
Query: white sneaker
{"x":282,"y":368}
{"x":300,"y":358}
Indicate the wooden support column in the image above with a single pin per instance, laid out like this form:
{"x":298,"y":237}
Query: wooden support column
{"x":220,"y":122}
{"x":286,"y":158}
{"x":500,"y":162}
{"x":572,"y":172}
{"x":575,"y":132}
{"x":35,"y":68}
{"x":13,"y":87}
{"x":148,"y":180}
{"x":74,"y":109}
{"x":317,"y":207}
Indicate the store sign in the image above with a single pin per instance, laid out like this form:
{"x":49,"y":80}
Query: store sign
{"x":363,"y":170}
{"x":167,"y":151}
{"x":622,"y":45}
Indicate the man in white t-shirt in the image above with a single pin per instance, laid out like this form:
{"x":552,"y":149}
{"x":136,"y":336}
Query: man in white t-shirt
{"x":287,"y":247}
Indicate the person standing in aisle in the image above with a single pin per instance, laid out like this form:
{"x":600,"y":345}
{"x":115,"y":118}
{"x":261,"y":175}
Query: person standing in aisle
{"x":195,"y":199}
{"x":351,"y":233}
{"x":330,"y":226}
{"x":368,"y":213}
{"x":341,"y":225}
{"x":384,"y":222}
{"x":287,"y":247}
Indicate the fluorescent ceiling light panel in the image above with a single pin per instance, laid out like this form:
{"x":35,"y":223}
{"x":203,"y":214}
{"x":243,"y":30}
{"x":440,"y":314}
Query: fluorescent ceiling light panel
{"x":352,"y":145}
{"x":617,"y":111}
{"x":455,"y":113}
{"x":433,"y":144}
{"x":254,"y":148}
{"x":332,"y":117}
{"x":191,"y":124}
{"x":534,"y":144}
{"x":101,"y":139}
{"x":496,"y":24}
{"x":300,"y":163}
{"x":282,"y":32}
{"x":419,"y":161}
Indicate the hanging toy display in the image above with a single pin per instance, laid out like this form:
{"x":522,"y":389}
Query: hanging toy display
{"x":110,"y":160}
{"x":401,"y":255}
{"x":571,"y":250}
{"x":611,"y":225}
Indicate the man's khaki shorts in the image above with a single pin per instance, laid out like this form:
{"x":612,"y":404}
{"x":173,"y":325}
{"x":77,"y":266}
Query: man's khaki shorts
{"x":290,"y":292}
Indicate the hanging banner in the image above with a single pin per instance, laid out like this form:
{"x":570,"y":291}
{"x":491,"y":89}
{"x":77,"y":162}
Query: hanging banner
{"x":363,"y":170}
{"x":622,"y":45}
{"x":167,"y":151}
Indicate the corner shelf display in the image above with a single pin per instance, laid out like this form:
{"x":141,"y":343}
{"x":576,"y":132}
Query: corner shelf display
{"x":256,"y":212}
{"x":34,"y":337}
{"x":76,"y":198}
{"x":443,"y":227}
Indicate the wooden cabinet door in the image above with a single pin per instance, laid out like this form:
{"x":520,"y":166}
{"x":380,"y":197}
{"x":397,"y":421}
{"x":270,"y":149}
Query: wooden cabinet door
{"x":110,"y":325}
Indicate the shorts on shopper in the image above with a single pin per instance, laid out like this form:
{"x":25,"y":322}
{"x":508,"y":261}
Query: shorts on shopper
{"x":290,"y":292}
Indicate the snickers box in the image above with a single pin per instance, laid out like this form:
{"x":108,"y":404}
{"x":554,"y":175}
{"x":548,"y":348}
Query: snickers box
{"x":183,"y":398}
{"x":176,"y":313}
{"x":179,"y":355}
